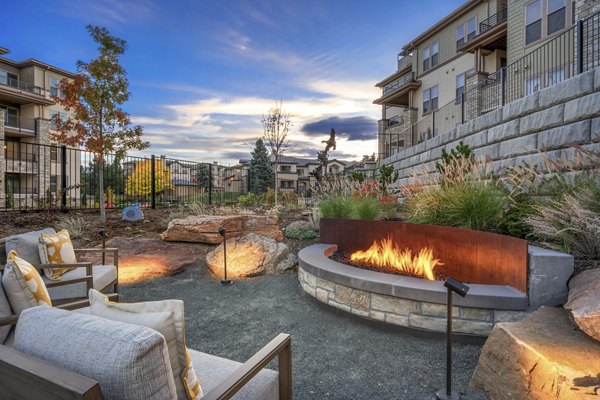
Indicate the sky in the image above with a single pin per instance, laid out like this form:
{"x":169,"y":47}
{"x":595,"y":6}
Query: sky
{"x":203,"y":73}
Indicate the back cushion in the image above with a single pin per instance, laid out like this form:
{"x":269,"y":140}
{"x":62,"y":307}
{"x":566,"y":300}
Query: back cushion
{"x":27,"y":245}
{"x":128,"y":361}
{"x":5,"y":311}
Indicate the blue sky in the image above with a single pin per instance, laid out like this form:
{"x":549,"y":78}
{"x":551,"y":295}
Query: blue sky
{"x":203,"y":72}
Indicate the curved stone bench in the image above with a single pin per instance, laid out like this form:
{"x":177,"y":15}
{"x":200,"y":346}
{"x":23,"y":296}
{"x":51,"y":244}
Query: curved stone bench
{"x":405,"y":301}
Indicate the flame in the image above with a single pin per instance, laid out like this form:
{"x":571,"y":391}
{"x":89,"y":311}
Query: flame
{"x":385,"y":253}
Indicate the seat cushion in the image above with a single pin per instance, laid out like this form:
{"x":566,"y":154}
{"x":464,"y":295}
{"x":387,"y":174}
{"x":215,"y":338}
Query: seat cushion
{"x":128,"y":361}
{"x":104,"y":275}
{"x":211,"y":370}
{"x":5,"y":311}
{"x":27,"y":245}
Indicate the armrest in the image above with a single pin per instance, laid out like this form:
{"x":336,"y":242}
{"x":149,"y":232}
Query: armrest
{"x":98,"y":250}
{"x":66,"y":265}
{"x":280,"y":346}
{"x":24,"y":376}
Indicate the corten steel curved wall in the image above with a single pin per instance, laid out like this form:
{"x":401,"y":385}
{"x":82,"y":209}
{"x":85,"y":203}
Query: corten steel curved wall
{"x":469,"y":256}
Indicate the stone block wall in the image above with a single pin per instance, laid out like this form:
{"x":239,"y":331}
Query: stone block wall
{"x":545,"y":124}
{"x":404,"y":312}
{"x":2,"y":163}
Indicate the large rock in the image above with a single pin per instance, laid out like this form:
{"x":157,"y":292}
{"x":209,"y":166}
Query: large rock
{"x":142,"y":259}
{"x":583,"y":305}
{"x":541,"y":357}
{"x":251,"y":255}
{"x":203,"y":228}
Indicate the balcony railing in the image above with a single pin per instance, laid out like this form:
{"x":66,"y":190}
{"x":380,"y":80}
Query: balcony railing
{"x":398,"y":83}
{"x":19,"y":84}
{"x":398,"y":119}
{"x":20,"y":123}
{"x":493,"y":21}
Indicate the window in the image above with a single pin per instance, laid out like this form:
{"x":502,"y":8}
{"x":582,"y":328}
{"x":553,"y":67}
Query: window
{"x":285,"y":169}
{"x":557,"y":15}
{"x":11,"y":115}
{"x":470,"y":27}
{"x":532,"y":85}
{"x":62,"y":115}
{"x":53,"y":183}
{"x":13,"y":184}
{"x":8,"y":78}
{"x":431,"y":56}
{"x":546,"y":17}
{"x":533,"y":22}
{"x":430,"y":99}
{"x":556,"y":76}
{"x":53,"y":86}
{"x":54,"y":154}
{"x":461,"y":80}
{"x":300,"y":171}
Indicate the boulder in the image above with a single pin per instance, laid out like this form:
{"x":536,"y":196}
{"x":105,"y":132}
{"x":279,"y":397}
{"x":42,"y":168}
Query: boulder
{"x":251,"y":255}
{"x":142,"y":259}
{"x":543,"y":356}
{"x":583,"y":304}
{"x":203,"y":228}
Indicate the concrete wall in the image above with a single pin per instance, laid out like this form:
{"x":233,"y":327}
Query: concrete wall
{"x":546,"y":123}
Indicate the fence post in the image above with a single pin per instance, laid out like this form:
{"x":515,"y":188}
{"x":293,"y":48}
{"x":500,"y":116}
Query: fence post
{"x":580,"y":46}
{"x":63,"y":178}
{"x":210,"y":183}
{"x":152,"y":181}
{"x":502,"y":86}
{"x":462,"y":107}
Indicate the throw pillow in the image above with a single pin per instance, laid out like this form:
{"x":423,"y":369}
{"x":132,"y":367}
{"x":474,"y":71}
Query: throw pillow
{"x":23,"y":285}
{"x":152,"y":314}
{"x":56,"y":248}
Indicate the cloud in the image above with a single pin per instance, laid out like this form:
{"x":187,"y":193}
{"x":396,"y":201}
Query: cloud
{"x":353,"y":128}
{"x":110,"y":11}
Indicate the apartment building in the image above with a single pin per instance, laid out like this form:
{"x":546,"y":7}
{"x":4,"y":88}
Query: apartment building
{"x":26,"y":107}
{"x":457,"y":69}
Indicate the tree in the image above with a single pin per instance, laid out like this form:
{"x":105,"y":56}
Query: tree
{"x":276,"y":126}
{"x":94,"y":97}
{"x":387,"y":176}
{"x":261,"y":174}
{"x":140,"y":181}
{"x":114,"y":178}
{"x":202,"y":176}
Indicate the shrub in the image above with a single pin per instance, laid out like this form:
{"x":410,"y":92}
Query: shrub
{"x":513,"y":219}
{"x":269,"y":197}
{"x":336,"y":207}
{"x":197,"y":208}
{"x":471,"y":205}
{"x":366,"y":208}
{"x":76,"y":226}
{"x":389,"y":206}
{"x":300,"y":230}
{"x":288,"y":198}
{"x":248,"y":200}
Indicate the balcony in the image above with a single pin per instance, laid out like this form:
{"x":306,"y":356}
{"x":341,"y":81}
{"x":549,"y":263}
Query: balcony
{"x":22,"y":126}
{"x":492,"y":34}
{"x":396,"y":91}
{"x":21,"y":92}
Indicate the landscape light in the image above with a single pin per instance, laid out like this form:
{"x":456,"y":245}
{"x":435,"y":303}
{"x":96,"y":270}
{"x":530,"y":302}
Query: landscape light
{"x":224,"y":281}
{"x":461,"y":289}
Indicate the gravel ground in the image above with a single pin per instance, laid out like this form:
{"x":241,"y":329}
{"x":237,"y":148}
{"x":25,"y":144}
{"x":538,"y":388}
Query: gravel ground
{"x":335,"y":355}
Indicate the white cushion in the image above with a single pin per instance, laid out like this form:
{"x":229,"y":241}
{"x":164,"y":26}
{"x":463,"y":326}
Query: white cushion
{"x":164,"y":316}
{"x":213,"y":370}
{"x":128,"y":361}
{"x":104,"y":275}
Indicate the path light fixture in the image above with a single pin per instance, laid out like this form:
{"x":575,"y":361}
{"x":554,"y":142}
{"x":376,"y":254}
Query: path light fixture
{"x":461,"y":289}
{"x":224,"y":281}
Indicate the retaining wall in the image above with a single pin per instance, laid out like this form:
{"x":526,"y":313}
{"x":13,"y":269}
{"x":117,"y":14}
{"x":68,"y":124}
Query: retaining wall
{"x":545,"y":124}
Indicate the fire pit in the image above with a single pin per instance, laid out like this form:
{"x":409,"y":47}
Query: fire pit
{"x":508,"y":278}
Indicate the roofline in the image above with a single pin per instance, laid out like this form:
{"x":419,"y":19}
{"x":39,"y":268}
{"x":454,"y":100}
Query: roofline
{"x":4,"y":50}
{"x":37,"y":63}
{"x":467,"y":6}
{"x":395,"y":75}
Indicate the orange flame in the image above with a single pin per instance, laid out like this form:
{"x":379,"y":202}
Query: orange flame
{"x":386,"y":254}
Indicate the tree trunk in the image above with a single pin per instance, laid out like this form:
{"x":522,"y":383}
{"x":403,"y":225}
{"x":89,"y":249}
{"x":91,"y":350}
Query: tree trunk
{"x":101,"y":190}
{"x":276,"y":181}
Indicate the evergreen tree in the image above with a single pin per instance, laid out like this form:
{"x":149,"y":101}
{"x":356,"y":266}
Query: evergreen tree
{"x":261,"y":174}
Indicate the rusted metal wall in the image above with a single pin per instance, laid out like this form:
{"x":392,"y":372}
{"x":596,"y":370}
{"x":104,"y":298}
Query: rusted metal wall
{"x":469,"y":256}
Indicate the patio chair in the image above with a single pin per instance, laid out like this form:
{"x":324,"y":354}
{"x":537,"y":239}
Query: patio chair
{"x":25,"y":376}
{"x":73,"y":285}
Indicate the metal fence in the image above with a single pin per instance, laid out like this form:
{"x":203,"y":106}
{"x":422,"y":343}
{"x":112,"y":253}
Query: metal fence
{"x":39,"y":176}
{"x":571,"y":53}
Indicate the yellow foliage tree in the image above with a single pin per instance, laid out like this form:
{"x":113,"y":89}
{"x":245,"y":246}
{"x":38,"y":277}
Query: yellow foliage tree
{"x":140,"y":181}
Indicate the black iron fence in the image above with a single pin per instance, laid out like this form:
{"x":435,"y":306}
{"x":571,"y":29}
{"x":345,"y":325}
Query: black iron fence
{"x":39,"y":176}
{"x":571,"y":53}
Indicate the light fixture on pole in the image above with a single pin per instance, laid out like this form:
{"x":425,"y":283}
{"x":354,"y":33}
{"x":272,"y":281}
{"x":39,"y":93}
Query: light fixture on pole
{"x":461,"y":289}
{"x":224,"y":281}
